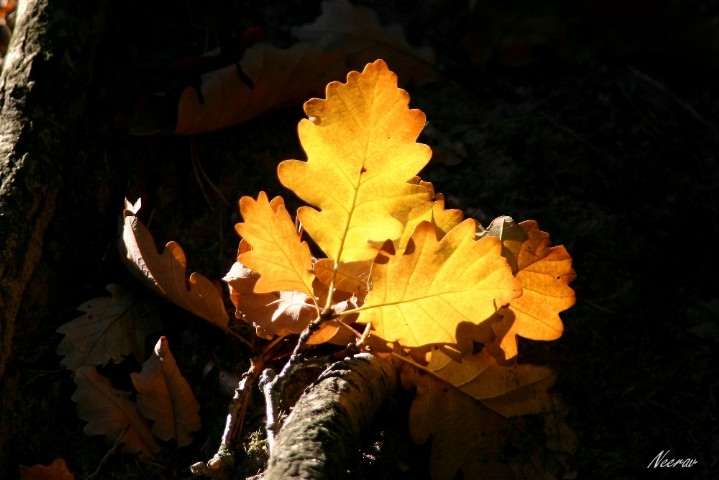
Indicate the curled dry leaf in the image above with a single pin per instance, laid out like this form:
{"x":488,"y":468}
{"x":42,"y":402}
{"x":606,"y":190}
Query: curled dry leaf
{"x":57,"y":470}
{"x":166,"y":273}
{"x":165,"y":397}
{"x":109,"y":412}
{"x":111,"y":326}
{"x":424,"y":295}
{"x":356,"y":31}
{"x":545,"y":273}
{"x":267,"y":77}
{"x":274,"y":313}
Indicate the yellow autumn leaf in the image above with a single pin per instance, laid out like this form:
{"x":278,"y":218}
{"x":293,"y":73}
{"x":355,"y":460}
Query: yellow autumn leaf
{"x":283,"y":261}
{"x":545,"y":273}
{"x":362,"y":151}
{"x":432,"y":211}
{"x":423,"y":296}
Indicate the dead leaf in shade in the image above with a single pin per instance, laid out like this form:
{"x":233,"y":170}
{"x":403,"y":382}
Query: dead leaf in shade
{"x":57,"y":470}
{"x":111,"y":326}
{"x":356,"y":31}
{"x":165,"y":397}
{"x":545,"y":273}
{"x":109,"y":412}
{"x":166,"y":273}
{"x":267,"y":77}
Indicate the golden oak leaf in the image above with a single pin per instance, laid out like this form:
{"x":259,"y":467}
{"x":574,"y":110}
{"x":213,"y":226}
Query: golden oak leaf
{"x":275,"y":313}
{"x":545,"y":273}
{"x":432,"y":211}
{"x":356,"y":31}
{"x":267,"y":77}
{"x":109,"y":412}
{"x":57,"y":470}
{"x":362,"y":151}
{"x":166,"y":273}
{"x":424,"y":296}
{"x":283,"y":261}
{"x":111,"y":327}
{"x":165,"y":397}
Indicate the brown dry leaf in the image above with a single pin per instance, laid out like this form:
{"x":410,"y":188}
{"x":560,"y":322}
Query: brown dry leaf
{"x":466,"y":435}
{"x":109,"y":412}
{"x":57,"y":470}
{"x":166,"y":273}
{"x":165,"y":397}
{"x":545,"y":273}
{"x":428,"y":293}
{"x":111,"y":327}
{"x":472,"y":435}
{"x":275,"y":313}
{"x":356,"y":31}
{"x":351,"y":277}
{"x":267,"y":77}
{"x":282,"y":259}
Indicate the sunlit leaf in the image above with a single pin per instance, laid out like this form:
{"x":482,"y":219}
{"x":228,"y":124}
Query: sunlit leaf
{"x":545,"y":273}
{"x":424,"y":295}
{"x":283,"y":261}
{"x":362,"y":151}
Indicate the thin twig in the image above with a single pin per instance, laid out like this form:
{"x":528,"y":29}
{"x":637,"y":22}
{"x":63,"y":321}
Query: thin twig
{"x":110,"y":453}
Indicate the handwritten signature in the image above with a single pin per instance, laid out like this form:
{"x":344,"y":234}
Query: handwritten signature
{"x":660,"y":461}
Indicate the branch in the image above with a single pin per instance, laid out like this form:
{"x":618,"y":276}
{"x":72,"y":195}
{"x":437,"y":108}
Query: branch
{"x":321,"y":435}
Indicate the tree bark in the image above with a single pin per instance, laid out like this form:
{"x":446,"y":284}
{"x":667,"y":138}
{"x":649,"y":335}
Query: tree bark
{"x":321,"y":435}
{"x":43,"y":90}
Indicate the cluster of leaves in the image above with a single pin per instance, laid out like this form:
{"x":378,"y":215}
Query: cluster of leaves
{"x":400,"y":275}
{"x":162,"y":405}
{"x":343,"y":37}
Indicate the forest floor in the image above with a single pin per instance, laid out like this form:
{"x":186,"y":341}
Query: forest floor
{"x":612,"y":149}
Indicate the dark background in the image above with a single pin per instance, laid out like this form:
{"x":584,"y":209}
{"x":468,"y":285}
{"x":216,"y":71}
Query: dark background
{"x":598,"y":119}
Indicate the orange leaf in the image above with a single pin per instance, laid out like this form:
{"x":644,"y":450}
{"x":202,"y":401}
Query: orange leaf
{"x":165,"y":397}
{"x":545,"y":273}
{"x":166,"y":273}
{"x":267,"y":77}
{"x":424,"y":295}
{"x":109,"y":412}
{"x":57,"y":470}
{"x":356,"y":31}
{"x":283,"y":261}
{"x":111,"y":326}
{"x":362,"y":151}
{"x":350,"y":277}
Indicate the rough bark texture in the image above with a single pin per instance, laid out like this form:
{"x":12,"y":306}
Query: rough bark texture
{"x":42,"y":96}
{"x":322,"y":433}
